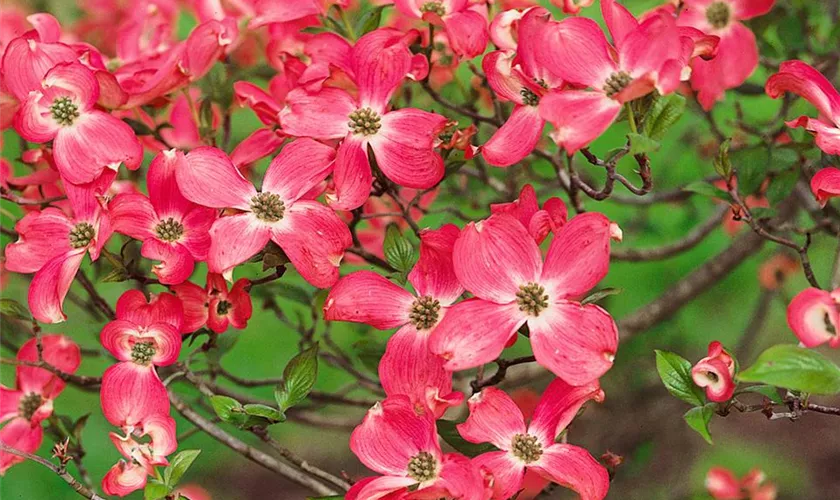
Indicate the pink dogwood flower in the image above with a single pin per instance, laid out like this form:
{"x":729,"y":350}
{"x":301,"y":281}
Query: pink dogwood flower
{"x":85,"y":140}
{"x":310,"y":234}
{"x":538,"y":221}
{"x":408,"y":367}
{"x":813,"y":317}
{"x":722,"y":484}
{"x":402,"y":140}
{"x":648,"y":55}
{"x":737,"y":53}
{"x":173,"y":230}
{"x":801,"y":79}
{"x":131,"y":474}
{"x":403,"y":446}
{"x":52,"y":245}
{"x":24,"y":407}
{"x":213,"y":305}
{"x":465,"y":22}
{"x":716,"y":373}
{"x":499,"y":262}
{"x":826,"y":184}
{"x":572,"y":6}
{"x":495,"y":418}
{"x":143,"y":336}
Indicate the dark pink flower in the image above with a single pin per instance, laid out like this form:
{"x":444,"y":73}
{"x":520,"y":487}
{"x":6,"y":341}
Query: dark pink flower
{"x":814,"y":318}
{"x":572,"y":6}
{"x":408,"y":367}
{"x":52,"y":245}
{"x":310,"y":234}
{"x":826,"y":184}
{"x":85,"y":140}
{"x":801,"y":79}
{"x":499,"y":262}
{"x":495,"y":418}
{"x":716,"y":373}
{"x":465,"y":22}
{"x":402,"y":445}
{"x":402,"y":140}
{"x":648,"y":55}
{"x":141,"y":458}
{"x":24,"y":407}
{"x":737,"y":52}
{"x":214,"y":306}
{"x":173,"y":230}
{"x":526,"y":209}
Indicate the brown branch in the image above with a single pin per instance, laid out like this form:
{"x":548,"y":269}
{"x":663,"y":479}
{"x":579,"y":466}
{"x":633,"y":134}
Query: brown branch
{"x":501,"y":372}
{"x":97,"y":299}
{"x":78,"y":380}
{"x":300,"y":463}
{"x":78,"y":487}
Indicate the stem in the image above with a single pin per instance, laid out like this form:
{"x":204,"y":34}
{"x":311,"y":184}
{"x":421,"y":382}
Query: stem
{"x":631,"y":118}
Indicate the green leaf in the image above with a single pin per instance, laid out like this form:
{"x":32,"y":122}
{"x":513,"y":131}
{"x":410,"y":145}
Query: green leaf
{"x":399,"y":252}
{"x":138,"y":127}
{"x":115,"y":275}
{"x":178,"y":466}
{"x":664,"y":113}
{"x":222,"y":345}
{"x":13,"y":309}
{"x":708,"y":190}
{"x":293,"y":293}
{"x":796,"y":368}
{"x":675,"y":372}
{"x":267,"y":412}
{"x":155,"y":490}
{"x":781,"y":186}
{"x":298,"y":378}
{"x":228,"y":409}
{"x":698,"y":418}
{"x":752,"y":165}
{"x":369,"y":21}
{"x":765,"y":390}
{"x":600,"y":294}
{"x":722,"y":165}
{"x":642,"y":144}
{"x":449,"y":433}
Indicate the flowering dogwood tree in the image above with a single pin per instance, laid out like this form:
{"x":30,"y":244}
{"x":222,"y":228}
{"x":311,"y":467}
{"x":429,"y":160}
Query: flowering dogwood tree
{"x":418,"y":204}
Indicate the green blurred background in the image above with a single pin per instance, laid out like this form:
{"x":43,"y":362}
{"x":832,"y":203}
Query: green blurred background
{"x":639,"y":420}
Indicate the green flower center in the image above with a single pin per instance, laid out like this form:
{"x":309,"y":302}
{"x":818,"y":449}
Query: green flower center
{"x":268,"y":207}
{"x":529,"y":97}
{"x":532,"y":299}
{"x":422,"y":467}
{"x":223,"y":307}
{"x":81,"y":235}
{"x":424,"y":312}
{"x":526,"y":448}
{"x":169,"y":230}
{"x":364,"y":121}
{"x":435,"y":7}
{"x":616,"y":83}
{"x":718,"y":14}
{"x":29,"y":404}
{"x":143,"y":352}
{"x":64,"y":111}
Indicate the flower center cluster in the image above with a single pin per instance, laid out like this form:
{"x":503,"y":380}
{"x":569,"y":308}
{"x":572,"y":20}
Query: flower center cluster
{"x":364,"y":121}
{"x":718,"y":14}
{"x":434,"y":6}
{"x":223,"y":307}
{"x":81,"y":235}
{"x":268,"y":207}
{"x":29,"y":404}
{"x":616,"y":83}
{"x":422,"y":467}
{"x":64,"y":111}
{"x":532,"y":299}
{"x":712,"y":376}
{"x":526,"y":448}
{"x":424,"y":312}
{"x":143,"y":352}
{"x":169,"y":229}
{"x":529,"y":97}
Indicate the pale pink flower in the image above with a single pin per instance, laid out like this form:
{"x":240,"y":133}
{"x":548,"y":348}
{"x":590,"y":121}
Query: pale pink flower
{"x":141,"y":458}
{"x":495,"y":418}
{"x":408,"y":367}
{"x":538,"y":221}
{"x":310,"y":234}
{"x":814,"y":318}
{"x":499,"y":262}
{"x":716,"y":373}
{"x":722,"y":484}
{"x":25,"y":406}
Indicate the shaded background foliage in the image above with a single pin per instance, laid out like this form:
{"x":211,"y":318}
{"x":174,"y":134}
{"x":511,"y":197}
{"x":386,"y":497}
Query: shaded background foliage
{"x":639,"y":420}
